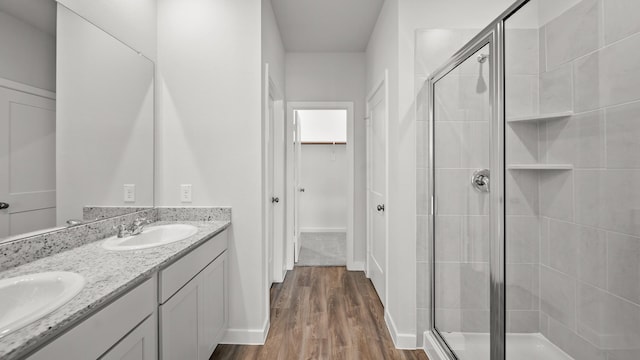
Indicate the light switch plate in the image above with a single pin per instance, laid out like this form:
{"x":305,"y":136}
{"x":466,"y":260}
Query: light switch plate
{"x":185,"y":193}
{"x":129,"y":193}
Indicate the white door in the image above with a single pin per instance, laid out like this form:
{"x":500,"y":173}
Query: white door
{"x":299,"y":190}
{"x":27,"y":162}
{"x":377,"y":190}
{"x":179,"y":324}
{"x":212,"y":305}
{"x":140,"y":344}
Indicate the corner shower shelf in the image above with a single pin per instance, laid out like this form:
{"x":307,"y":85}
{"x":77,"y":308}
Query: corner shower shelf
{"x":553,"y":167}
{"x":541,"y":117}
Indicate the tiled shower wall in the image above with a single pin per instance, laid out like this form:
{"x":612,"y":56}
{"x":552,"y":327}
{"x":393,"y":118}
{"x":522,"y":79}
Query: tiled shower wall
{"x":589,"y":223}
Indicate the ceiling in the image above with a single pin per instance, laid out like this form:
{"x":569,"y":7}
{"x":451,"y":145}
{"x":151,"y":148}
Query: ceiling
{"x":326,"y":25}
{"x":40,"y":14}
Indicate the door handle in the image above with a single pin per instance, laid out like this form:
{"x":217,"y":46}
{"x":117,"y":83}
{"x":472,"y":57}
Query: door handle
{"x":380,"y":207}
{"x":301,"y":189}
{"x":4,"y":205}
{"x":275,"y":200}
{"x":480,"y":180}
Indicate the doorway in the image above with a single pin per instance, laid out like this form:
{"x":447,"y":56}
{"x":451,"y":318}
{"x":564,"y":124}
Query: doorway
{"x":320,"y":174}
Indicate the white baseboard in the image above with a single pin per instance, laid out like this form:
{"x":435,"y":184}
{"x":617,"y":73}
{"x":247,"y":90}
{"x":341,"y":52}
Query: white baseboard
{"x":431,"y":347}
{"x":327,"y":230}
{"x":401,"y":341}
{"x":356,"y":266}
{"x":246,"y":336}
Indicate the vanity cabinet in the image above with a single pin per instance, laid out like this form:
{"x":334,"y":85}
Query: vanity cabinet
{"x":179,"y":313}
{"x":194,"y":317}
{"x":124,"y":328}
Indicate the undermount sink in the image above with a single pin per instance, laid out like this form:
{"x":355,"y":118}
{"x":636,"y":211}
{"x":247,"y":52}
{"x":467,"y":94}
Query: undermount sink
{"x":25,"y":299}
{"x":152,"y":236}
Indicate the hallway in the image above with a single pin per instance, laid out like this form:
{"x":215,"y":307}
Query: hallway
{"x":323,"y":313}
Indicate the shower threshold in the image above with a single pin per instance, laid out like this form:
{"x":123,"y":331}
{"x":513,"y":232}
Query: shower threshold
{"x":534,"y":346}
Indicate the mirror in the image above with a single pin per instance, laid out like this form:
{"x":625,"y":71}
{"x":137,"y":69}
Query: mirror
{"x":76,"y":121}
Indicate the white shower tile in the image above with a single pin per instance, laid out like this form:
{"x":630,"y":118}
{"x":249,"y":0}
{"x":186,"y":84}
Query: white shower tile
{"x":448,"y":238}
{"x":474,"y":281}
{"x":522,"y":240}
{"x":578,"y":140}
{"x":556,"y":195}
{"x":455,"y":195}
{"x":521,"y":51}
{"x":557,"y":296}
{"x":563,"y":247}
{"x":556,"y":93}
{"x":476,"y":321}
{"x":620,"y":19}
{"x":592,"y":257}
{"x":475,"y":238}
{"x":521,"y":95}
{"x":475,"y":145}
{"x":523,"y":143}
{"x":574,"y":345}
{"x":623,"y":136}
{"x":606,"y":320}
{"x":574,"y":33}
{"x":522,"y":193}
{"x":623,"y":260}
{"x":609,"y":76}
{"x":519,"y":321}
{"x":448,"y":144}
{"x":520,"y":292}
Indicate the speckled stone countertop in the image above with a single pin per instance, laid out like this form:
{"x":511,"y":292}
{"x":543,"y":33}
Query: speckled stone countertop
{"x":108,"y":275}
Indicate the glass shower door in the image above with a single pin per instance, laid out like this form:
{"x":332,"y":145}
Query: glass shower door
{"x":461,"y":183}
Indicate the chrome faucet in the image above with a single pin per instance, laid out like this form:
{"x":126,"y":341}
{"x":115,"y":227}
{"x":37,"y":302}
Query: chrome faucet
{"x":135,"y":228}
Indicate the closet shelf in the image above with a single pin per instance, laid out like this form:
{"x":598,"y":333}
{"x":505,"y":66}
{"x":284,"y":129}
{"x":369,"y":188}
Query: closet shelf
{"x":541,"y":117}
{"x":540,"y":167}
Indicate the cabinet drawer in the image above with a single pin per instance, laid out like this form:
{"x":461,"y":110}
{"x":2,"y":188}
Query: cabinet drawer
{"x":179,"y":273}
{"x":94,"y":336}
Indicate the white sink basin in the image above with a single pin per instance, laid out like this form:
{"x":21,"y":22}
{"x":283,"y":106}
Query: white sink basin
{"x":27,"y":298}
{"x":151,"y":237}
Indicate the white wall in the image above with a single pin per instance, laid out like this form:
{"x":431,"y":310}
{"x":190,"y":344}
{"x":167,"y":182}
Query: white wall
{"x":209,"y":134}
{"x":323,"y":174}
{"x":336,"y":77}
{"x":28,"y":54}
{"x":131,"y":21}
{"x":104,"y":119}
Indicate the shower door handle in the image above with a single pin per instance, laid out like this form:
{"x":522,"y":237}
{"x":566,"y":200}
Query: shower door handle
{"x":480,"y":180}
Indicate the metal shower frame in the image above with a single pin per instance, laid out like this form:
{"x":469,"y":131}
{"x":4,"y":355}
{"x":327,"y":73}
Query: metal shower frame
{"x":493,"y":36}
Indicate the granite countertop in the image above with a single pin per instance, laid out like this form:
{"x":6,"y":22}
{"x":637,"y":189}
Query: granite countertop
{"x":108,"y":274}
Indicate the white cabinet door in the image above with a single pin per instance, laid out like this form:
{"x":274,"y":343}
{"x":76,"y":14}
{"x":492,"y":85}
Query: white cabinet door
{"x":179,"y":324}
{"x":212,"y":306}
{"x":140,"y":344}
{"x":194,"y":319}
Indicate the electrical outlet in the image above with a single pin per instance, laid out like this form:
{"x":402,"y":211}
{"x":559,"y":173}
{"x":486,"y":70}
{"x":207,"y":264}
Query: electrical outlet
{"x":129,"y":193}
{"x":185,"y":193}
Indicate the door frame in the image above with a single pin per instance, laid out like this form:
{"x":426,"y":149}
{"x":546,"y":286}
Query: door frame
{"x":277,"y":271}
{"x":292,"y":107}
{"x":381,"y":85}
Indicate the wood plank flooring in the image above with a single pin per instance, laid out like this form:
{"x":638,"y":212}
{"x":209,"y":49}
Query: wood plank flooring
{"x":323,"y":313}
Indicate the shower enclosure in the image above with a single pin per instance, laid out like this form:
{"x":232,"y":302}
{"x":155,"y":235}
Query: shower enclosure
{"x":534,"y":166}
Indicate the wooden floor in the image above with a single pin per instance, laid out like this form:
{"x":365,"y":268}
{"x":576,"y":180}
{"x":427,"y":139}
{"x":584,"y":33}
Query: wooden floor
{"x":323,"y":313}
